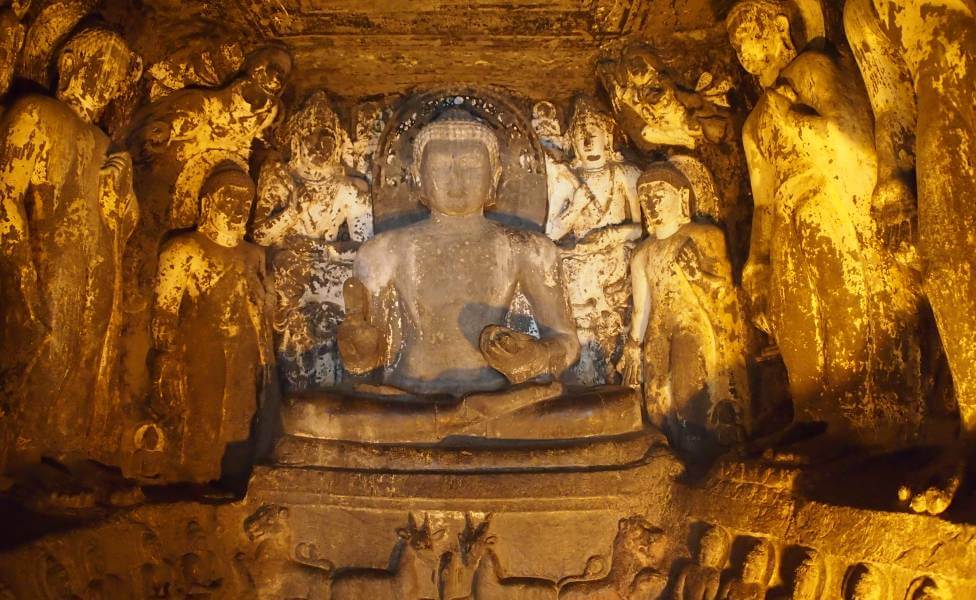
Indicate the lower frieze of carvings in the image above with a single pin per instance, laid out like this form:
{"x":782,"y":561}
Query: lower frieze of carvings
{"x":739,"y":533}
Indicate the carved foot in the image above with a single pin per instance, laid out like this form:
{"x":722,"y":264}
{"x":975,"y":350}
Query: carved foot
{"x":932,"y":490}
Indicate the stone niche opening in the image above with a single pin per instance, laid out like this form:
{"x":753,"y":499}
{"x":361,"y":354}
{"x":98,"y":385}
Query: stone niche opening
{"x":487,"y":299}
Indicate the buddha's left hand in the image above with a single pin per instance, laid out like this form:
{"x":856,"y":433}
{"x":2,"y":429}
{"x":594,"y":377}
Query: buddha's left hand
{"x":516,"y":355}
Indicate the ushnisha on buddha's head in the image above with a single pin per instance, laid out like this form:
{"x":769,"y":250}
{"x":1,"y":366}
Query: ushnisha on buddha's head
{"x":761,"y":33}
{"x":225,"y":205}
{"x":666,"y":197}
{"x":457,"y":164}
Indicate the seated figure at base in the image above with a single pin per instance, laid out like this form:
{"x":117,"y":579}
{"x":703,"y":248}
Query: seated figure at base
{"x":427,"y":307}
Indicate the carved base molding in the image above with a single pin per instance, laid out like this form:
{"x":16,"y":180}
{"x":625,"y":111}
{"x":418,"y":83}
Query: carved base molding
{"x":317,"y":533}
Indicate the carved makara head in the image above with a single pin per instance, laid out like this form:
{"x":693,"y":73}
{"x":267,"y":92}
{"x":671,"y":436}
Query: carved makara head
{"x":591,"y":135}
{"x":761,"y":33}
{"x":225,"y":204}
{"x":269,"y":68}
{"x":94,"y":68}
{"x":666,"y":196}
{"x":457,"y":164}
{"x":316,"y":136}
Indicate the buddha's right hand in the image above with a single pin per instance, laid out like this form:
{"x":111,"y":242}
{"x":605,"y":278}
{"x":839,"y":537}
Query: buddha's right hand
{"x":360,"y":342}
{"x":631,"y":363}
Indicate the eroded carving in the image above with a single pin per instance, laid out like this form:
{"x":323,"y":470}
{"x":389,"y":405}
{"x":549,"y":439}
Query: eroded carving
{"x":701,"y":579}
{"x":757,"y":571}
{"x":654,"y":108}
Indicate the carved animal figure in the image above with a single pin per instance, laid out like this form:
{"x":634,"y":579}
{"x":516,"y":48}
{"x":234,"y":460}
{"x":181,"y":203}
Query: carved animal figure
{"x":275,"y":573}
{"x":416,"y":562}
{"x":634,"y":569}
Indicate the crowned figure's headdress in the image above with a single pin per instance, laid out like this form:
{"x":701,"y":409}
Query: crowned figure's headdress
{"x":317,"y":113}
{"x":456,"y":125}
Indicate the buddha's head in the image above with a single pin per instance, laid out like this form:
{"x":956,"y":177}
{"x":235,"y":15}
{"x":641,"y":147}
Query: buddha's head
{"x":591,"y":135}
{"x":225,"y":205}
{"x":756,"y":567}
{"x":808,"y":578}
{"x":269,"y":69}
{"x":94,"y":68}
{"x":665,"y":196}
{"x":712,"y":548}
{"x":457,"y":164}
{"x":760,"y":32}
{"x":317,"y":137}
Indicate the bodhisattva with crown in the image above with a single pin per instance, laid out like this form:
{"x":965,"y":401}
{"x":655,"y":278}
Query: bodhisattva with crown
{"x":427,"y":306}
{"x":604,"y":218}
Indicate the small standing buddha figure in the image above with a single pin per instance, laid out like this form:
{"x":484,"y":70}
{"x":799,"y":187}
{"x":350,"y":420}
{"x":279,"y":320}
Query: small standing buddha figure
{"x":211,"y":332}
{"x":687,"y":338}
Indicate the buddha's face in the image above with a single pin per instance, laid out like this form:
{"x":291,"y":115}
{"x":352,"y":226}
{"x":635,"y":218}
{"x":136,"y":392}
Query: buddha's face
{"x":456,"y":176}
{"x":92,"y":77}
{"x":590,"y":144}
{"x":228,"y":210}
{"x":763,"y":45}
{"x":663,"y":203}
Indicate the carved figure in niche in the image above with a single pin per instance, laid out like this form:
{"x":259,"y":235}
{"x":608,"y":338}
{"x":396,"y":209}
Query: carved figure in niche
{"x":851,"y":352}
{"x":156,"y":573}
{"x":865,"y":582}
{"x":435,"y":330}
{"x":808,"y":578}
{"x":413,"y":576}
{"x":562,"y":184}
{"x":757,"y":569}
{"x":604,"y":218}
{"x":687,"y":338}
{"x":636,"y":569}
{"x":66,"y":210}
{"x":200,"y":63}
{"x":917,"y":60}
{"x":925,"y":588}
{"x":12,"y":33}
{"x":176,"y":142}
{"x":369,"y":122}
{"x":275,"y":573}
{"x":303,"y":205}
{"x":700,"y":580}
{"x":655,"y":108}
{"x":200,"y":568}
{"x":211,"y":331}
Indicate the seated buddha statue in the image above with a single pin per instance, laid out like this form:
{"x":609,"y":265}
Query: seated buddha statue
{"x":427,"y":311}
